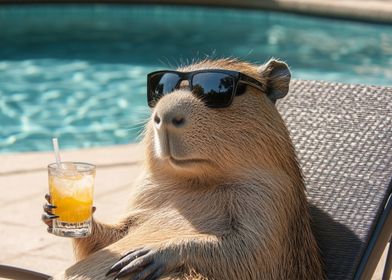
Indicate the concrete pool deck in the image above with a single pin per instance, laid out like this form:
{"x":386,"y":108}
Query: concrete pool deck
{"x":368,"y":10}
{"x":23,"y":180}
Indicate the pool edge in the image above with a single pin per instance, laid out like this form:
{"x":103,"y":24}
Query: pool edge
{"x":369,"y":11}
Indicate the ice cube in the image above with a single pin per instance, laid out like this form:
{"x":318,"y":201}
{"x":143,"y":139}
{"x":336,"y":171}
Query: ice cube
{"x":69,"y":170}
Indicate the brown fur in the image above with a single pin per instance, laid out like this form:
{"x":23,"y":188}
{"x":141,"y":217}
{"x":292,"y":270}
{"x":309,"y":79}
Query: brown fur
{"x":242,"y":214}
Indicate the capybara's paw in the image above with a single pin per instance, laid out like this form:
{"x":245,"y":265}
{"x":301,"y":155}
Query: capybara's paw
{"x":145,"y":263}
{"x":47,"y":217}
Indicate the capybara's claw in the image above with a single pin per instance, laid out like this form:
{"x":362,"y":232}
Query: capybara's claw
{"x":143,"y":264}
{"x":48,"y":218}
{"x":48,"y":208}
{"x":124,"y":260}
{"x":47,"y":197}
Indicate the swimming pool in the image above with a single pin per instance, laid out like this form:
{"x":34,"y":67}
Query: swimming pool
{"x":78,"y":71}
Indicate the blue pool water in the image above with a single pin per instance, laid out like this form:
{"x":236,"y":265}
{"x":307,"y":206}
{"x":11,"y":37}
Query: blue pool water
{"x":78,"y":72}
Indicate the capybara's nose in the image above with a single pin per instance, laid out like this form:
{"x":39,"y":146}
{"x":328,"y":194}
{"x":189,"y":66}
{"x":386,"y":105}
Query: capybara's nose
{"x":171,"y":119}
{"x":178,"y":121}
{"x":157,"y":120}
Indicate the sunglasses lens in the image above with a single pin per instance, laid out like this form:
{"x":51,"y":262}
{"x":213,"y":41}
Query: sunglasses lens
{"x":215,"y":89}
{"x":160,"y":84}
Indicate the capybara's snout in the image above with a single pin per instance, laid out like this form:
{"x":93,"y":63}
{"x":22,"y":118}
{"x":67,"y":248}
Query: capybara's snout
{"x":171,"y":117}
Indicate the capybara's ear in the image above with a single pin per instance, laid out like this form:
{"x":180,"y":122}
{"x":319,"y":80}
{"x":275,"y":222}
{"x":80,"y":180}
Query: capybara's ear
{"x":277,"y":75}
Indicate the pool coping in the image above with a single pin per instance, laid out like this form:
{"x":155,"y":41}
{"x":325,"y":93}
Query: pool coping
{"x":379,"y":11}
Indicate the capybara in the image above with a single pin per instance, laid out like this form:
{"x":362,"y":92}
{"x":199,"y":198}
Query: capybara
{"x":222,"y":197}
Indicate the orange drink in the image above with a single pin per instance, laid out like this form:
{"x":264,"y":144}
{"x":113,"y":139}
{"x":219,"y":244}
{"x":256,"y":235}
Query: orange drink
{"x":71,"y":190}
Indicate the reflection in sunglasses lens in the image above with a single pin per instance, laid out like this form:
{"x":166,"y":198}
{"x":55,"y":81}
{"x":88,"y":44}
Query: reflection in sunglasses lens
{"x":165,"y":83}
{"x":214,"y":88}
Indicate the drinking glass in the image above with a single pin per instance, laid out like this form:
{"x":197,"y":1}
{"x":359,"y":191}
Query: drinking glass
{"x":71,"y":188}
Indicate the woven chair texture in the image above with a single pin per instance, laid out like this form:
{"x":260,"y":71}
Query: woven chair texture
{"x":343,"y":137}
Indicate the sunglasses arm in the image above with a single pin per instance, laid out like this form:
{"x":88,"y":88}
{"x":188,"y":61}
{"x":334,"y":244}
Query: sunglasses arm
{"x":252,"y":82}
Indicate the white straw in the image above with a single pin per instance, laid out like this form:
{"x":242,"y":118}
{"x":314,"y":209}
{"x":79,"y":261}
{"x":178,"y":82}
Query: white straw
{"x":56,"y":151}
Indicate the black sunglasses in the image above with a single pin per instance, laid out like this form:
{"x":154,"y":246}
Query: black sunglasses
{"x":215,"y":87}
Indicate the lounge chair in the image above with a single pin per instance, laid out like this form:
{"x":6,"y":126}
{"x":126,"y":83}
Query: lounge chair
{"x":343,"y":136}
{"x":10,"y":272}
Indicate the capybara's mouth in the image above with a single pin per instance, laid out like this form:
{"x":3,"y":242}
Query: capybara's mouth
{"x":186,"y":162}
